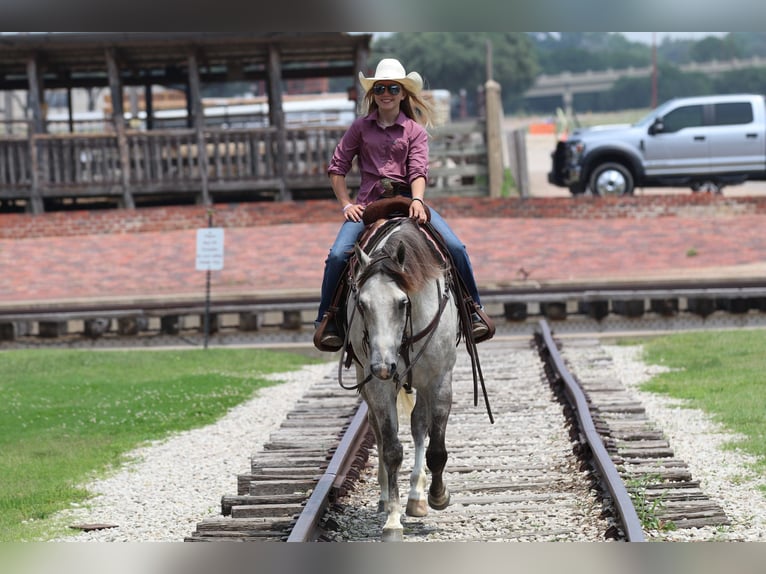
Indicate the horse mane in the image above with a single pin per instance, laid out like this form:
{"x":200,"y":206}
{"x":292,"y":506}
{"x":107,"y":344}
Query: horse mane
{"x":422,"y":262}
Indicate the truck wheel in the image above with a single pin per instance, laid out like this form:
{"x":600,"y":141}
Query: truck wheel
{"x":707,"y":186}
{"x":611,"y":179}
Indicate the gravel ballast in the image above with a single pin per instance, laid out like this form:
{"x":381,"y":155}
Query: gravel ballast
{"x":172,"y":484}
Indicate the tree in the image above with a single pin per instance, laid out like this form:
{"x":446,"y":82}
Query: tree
{"x":673,"y":83}
{"x":712,"y":48}
{"x":750,"y":80}
{"x":583,"y":51}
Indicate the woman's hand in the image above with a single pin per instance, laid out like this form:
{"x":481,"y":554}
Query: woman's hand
{"x":418,"y":210}
{"x":353,"y":212}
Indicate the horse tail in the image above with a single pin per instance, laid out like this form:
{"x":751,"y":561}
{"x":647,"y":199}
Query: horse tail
{"x":405,"y":402}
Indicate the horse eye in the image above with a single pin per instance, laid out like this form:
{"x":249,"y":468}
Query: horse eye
{"x":403,"y":303}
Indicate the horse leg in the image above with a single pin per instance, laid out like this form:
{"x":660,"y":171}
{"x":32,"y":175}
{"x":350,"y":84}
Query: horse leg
{"x":390,"y":453}
{"x":436,"y":455}
{"x":382,"y":474}
{"x":416,"y":501}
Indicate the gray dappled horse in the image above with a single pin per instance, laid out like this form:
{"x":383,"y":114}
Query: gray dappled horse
{"x":403,"y":326}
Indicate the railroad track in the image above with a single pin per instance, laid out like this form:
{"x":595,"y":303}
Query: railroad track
{"x":566,"y":460}
{"x":579,"y":308}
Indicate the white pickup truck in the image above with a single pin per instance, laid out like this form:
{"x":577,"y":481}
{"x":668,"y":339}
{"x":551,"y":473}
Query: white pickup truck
{"x":702,"y":142}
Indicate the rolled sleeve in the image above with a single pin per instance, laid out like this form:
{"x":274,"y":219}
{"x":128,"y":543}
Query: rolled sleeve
{"x":417,"y":160}
{"x":345,"y":151}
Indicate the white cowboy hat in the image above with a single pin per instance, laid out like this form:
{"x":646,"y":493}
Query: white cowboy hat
{"x":391,"y":69}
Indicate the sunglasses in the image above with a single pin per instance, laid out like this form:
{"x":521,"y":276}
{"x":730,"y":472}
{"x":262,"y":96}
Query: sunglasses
{"x":380,"y":89}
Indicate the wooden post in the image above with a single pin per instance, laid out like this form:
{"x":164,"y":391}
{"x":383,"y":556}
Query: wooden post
{"x":35,"y":127}
{"x":9,"y":114}
{"x":277,"y":118}
{"x":494,"y":117}
{"x":494,"y":120}
{"x":149,"y":108}
{"x":361,"y":64}
{"x":70,"y":110}
{"x":34,"y":80}
{"x":517,"y":156}
{"x":118,"y":117}
{"x":195,"y":101}
{"x":35,"y":199}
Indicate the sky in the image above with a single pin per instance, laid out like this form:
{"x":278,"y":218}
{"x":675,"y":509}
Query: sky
{"x":646,"y":37}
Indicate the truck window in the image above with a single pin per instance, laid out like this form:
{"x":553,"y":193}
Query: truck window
{"x":733,"y":113}
{"x":683,"y":117}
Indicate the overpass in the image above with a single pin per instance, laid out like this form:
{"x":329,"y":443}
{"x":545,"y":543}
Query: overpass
{"x":567,"y":84}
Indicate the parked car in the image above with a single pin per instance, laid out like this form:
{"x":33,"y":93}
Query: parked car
{"x":702,"y":142}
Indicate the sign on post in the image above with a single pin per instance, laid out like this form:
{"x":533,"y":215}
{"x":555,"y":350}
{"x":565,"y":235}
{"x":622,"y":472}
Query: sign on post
{"x":210,"y":249}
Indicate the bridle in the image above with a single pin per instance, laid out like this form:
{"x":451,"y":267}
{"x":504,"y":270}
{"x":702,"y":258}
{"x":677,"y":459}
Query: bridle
{"x":408,"y":339}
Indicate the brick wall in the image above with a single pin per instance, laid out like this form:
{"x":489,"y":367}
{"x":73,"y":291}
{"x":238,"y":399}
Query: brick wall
{"x":67,"y":223}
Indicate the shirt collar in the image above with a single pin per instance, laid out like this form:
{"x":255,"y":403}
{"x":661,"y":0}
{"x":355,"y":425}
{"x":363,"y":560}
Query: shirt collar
{"x":373,"y":116}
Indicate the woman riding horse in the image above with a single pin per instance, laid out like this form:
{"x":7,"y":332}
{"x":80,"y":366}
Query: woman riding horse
{"x":391,"y":145}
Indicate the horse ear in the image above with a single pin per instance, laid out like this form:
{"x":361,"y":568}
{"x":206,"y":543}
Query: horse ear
{"x":401,"y":251}
{"x":362,"y":257}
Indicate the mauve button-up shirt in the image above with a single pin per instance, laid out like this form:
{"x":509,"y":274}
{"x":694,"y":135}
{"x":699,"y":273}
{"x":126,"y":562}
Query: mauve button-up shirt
{"x":398,"y":152}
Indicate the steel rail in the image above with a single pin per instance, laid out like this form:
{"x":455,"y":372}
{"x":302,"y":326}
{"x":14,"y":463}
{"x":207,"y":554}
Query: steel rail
{"x":576,"y":397}
{"x":307,"y":524}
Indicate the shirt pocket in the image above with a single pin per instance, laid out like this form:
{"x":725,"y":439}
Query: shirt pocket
{"x":399,"y":149}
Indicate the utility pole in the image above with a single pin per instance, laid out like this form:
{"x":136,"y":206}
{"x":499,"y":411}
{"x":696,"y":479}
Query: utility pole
{"x":654,"y":70}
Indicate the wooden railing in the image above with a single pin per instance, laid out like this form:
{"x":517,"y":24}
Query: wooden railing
{"x":45,"y":167}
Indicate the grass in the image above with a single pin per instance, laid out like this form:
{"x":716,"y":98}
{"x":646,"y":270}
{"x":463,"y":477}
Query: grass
{"x":722,"y":373}
{"x":648,"y":510}
{"x":69,"y":415}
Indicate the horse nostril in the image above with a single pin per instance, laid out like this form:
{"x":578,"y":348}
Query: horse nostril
{"x":383,"y":371}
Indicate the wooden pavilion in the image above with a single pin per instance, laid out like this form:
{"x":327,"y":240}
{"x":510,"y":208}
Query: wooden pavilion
{"x":123,"y":163}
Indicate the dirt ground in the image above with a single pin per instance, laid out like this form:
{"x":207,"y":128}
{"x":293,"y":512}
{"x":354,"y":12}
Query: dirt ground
{"x":540,"y":147}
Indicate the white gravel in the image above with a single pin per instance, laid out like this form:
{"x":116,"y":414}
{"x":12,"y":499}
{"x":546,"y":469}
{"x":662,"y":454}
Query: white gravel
{"x":171,"y":485}
{"x":725,"y":475}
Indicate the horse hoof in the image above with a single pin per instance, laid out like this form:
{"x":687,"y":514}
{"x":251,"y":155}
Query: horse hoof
{"x":393,"y":535}
{"x":416,"y":507}
{"x":439,"y":503}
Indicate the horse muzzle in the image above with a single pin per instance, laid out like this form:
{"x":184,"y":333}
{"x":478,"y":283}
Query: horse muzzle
{"x":382,"y":370}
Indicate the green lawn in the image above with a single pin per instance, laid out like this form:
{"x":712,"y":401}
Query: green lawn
{"x":720,"y":372}
{"x":66,"y":415}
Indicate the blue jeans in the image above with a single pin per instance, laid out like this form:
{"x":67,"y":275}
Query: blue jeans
{"x":344,"y":244}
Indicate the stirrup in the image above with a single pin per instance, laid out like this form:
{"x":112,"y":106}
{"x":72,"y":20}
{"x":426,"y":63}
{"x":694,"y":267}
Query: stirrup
{"x":478,"y":328}
{"x":331,"y":340}
{"x":326,"y":336}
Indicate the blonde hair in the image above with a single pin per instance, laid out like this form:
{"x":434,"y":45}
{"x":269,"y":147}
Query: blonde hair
{"x":413,"y":105}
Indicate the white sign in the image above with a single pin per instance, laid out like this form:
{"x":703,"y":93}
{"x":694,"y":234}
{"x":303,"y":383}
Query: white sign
{"x":210,"y":249}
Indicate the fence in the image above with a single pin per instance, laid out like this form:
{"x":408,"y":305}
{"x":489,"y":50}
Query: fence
{"x":258,"y":162}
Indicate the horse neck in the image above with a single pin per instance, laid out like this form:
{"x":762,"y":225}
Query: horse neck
{"x":425,"y":303}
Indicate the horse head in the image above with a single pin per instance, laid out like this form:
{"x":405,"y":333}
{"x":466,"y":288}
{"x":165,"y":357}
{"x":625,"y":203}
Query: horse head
{"x":383,"y":307}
